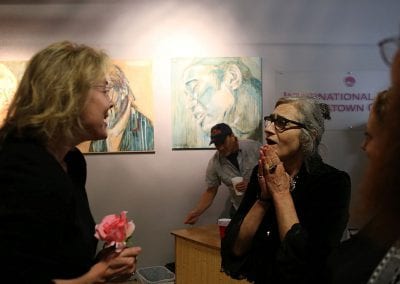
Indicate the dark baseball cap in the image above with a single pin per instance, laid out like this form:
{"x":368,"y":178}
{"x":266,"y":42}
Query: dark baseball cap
{"x":219,"y":133}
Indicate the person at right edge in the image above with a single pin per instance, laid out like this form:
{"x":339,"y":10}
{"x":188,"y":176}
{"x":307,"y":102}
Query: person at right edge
{"x":373,"y":254}
{"x":296,"y":207}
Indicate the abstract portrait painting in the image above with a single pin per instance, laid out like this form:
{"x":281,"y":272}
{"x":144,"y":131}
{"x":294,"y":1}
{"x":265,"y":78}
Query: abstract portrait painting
{"x":130,"y":121}
{"x":10,"y":74}
{"x":206,"y":91}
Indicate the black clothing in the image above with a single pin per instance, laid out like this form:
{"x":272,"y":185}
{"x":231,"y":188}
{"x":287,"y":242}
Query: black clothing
{"x":355,"y":259}
{"x":354,"y":262}
{"x":47,"y":229}
{"x":321,"y":198}
{"x":388,"y":270}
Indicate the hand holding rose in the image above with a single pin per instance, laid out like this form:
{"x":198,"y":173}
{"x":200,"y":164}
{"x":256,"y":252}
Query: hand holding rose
{"x":114,"y":266}
{"x":116,"y":261}
{"x":115,"y":230}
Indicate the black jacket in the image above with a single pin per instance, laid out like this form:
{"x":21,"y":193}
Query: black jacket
{"x":47,"y":229}
{"x":321,"y":198}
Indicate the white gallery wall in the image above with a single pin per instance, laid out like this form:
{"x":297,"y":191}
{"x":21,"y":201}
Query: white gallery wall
{"x":158,"y":189}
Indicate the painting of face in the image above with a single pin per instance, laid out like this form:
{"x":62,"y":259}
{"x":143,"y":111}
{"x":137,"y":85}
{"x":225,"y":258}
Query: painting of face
{"x":207,"y":91}
{"x":130,"y":124}
{"x":10,"y":74}
{"x":8,"y":86}
{"x":209,"y":98}
{"x":286,"y":142}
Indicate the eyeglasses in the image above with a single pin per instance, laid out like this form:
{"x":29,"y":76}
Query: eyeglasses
{"x":281,"y":122}
{"x":388,"y":48}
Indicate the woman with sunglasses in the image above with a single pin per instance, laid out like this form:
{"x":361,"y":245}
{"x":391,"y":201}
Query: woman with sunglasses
{"x":296,"y":207}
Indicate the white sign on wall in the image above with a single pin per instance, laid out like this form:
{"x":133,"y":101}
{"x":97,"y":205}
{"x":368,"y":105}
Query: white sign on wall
{"x":348,"y":94}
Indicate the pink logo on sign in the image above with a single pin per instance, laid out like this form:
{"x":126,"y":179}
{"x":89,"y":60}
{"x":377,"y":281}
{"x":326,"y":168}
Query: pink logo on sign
{"x":349,"y":81}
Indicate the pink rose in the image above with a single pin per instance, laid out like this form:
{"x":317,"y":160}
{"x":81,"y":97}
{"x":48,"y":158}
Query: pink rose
{"x":115,"y":230}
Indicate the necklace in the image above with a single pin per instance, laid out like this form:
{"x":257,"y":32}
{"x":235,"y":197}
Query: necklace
{"x":293,"y":181}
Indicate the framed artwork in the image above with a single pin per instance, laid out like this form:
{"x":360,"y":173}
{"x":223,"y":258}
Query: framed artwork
{"x":10,"y":74}
{"x":130,"y":121}
{"x":207,"y":91}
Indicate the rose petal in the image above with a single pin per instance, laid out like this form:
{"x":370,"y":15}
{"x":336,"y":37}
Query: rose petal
{"x":114,"y":229}
{"x":130,"y":229}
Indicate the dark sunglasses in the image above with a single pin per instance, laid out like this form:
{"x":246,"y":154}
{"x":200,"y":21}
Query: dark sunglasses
{"x":281,"y":122}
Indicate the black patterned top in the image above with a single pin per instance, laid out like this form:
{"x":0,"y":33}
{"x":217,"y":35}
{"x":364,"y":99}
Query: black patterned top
{"x":388,"y":270}
{"x":321,"y":198}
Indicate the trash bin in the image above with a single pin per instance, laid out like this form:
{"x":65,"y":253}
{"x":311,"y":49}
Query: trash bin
{"x":155,"y":274}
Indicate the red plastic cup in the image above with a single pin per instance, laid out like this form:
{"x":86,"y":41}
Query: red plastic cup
{"x":222,"y":224}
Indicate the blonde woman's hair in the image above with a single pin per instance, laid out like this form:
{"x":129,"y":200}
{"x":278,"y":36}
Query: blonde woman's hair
{"x":53,"y":90}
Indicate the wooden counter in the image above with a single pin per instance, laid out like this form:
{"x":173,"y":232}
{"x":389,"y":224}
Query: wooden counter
{"x":197,"y":256}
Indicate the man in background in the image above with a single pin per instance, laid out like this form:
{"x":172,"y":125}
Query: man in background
{"x":233,"y":158}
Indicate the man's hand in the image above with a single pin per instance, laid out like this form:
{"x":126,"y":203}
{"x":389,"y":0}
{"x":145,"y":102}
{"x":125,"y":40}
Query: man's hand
{"x":192,"y":217}
{"x":242,"y":186}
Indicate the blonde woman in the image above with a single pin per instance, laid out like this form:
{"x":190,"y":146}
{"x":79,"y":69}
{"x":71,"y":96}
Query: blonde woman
{"x":47,"y":231}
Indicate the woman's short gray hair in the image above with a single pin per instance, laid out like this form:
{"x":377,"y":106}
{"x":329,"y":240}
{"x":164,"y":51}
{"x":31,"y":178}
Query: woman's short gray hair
{"x":312,"y":114}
